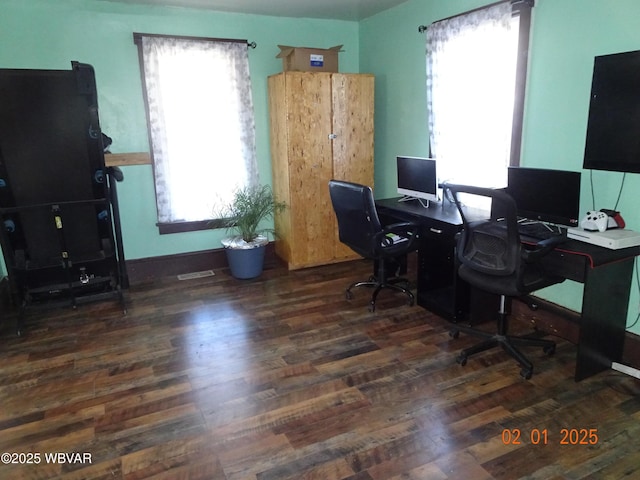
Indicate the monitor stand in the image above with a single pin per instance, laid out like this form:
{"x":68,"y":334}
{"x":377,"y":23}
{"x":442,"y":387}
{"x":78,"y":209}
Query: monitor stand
{"x":409,"y":198}
{"x":539,"y":229}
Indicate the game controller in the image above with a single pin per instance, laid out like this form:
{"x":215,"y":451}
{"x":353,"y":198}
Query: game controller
{"x":595,"y":220}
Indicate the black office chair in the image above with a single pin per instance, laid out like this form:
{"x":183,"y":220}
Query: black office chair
{"x":359,"y":228}
{"x":493,"y":259}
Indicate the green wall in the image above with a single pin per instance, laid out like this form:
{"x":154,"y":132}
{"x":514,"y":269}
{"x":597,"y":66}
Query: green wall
{"x":566,"y":35}
{"x":49,"y":34}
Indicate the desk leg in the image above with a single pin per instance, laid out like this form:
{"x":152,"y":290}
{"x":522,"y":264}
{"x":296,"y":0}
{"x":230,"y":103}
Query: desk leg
{"x":604,"y":316}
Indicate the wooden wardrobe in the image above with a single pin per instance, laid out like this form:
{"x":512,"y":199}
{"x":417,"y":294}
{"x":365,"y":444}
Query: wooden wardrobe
{"x":321,"y":128}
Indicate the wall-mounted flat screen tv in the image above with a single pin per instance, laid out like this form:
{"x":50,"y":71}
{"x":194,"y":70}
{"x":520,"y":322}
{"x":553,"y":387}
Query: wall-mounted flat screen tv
{"x":613,"y":128}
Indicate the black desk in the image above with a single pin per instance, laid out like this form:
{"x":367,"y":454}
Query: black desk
{"x":438,"y":288}
{"x":606,"y":275}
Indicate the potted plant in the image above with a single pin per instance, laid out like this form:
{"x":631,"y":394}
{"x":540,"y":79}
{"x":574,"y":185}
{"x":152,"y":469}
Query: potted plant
{"x":243,"y":215}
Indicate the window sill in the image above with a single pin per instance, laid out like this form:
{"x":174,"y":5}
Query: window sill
{"x":182,"y":227}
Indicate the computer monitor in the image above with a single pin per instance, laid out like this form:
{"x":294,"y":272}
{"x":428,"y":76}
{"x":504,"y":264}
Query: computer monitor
{"x":417,"y":178}
{"x":546,"y":195}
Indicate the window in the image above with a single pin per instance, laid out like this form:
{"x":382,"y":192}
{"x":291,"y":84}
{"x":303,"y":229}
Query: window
{"x":476,"y":65}
{"x":201,"y":125}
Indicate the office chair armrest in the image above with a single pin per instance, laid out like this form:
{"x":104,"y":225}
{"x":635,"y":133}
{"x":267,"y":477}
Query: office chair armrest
{"x":397,"y":236}
{"x":542,"y":248}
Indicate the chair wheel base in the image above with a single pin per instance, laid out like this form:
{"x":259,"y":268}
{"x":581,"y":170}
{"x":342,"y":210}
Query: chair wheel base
{"x":509,"y":346}
{"x":526,"y":373}
{"x":378,"y":287}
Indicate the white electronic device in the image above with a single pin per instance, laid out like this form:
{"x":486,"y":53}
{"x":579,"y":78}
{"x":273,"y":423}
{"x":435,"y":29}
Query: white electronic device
{"x":614,"y":239}
{"x":602,"y":220}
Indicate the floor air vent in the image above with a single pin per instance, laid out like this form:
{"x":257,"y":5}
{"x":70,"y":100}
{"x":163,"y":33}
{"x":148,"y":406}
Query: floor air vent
{"x":192,"y":275}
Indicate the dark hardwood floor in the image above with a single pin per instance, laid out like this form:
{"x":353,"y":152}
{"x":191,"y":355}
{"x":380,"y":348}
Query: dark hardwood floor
{"x":281,"y":378}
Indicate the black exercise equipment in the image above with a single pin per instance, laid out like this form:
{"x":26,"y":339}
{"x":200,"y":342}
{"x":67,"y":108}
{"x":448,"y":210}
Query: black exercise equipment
{"x":59,"y":221}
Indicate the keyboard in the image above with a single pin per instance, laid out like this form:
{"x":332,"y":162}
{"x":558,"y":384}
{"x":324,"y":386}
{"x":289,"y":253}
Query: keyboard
{"x":541,"y":231}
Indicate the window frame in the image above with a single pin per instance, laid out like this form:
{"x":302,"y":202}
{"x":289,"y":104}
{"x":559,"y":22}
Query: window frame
{"x":523,"y":9}
{"x":180,"y":226}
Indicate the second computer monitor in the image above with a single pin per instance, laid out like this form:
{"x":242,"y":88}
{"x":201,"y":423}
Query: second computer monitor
{"x":417,"y":177}
{"x":546,"y":195}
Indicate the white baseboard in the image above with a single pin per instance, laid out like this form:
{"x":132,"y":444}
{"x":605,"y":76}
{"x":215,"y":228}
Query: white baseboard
{"x":625,"y":369}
